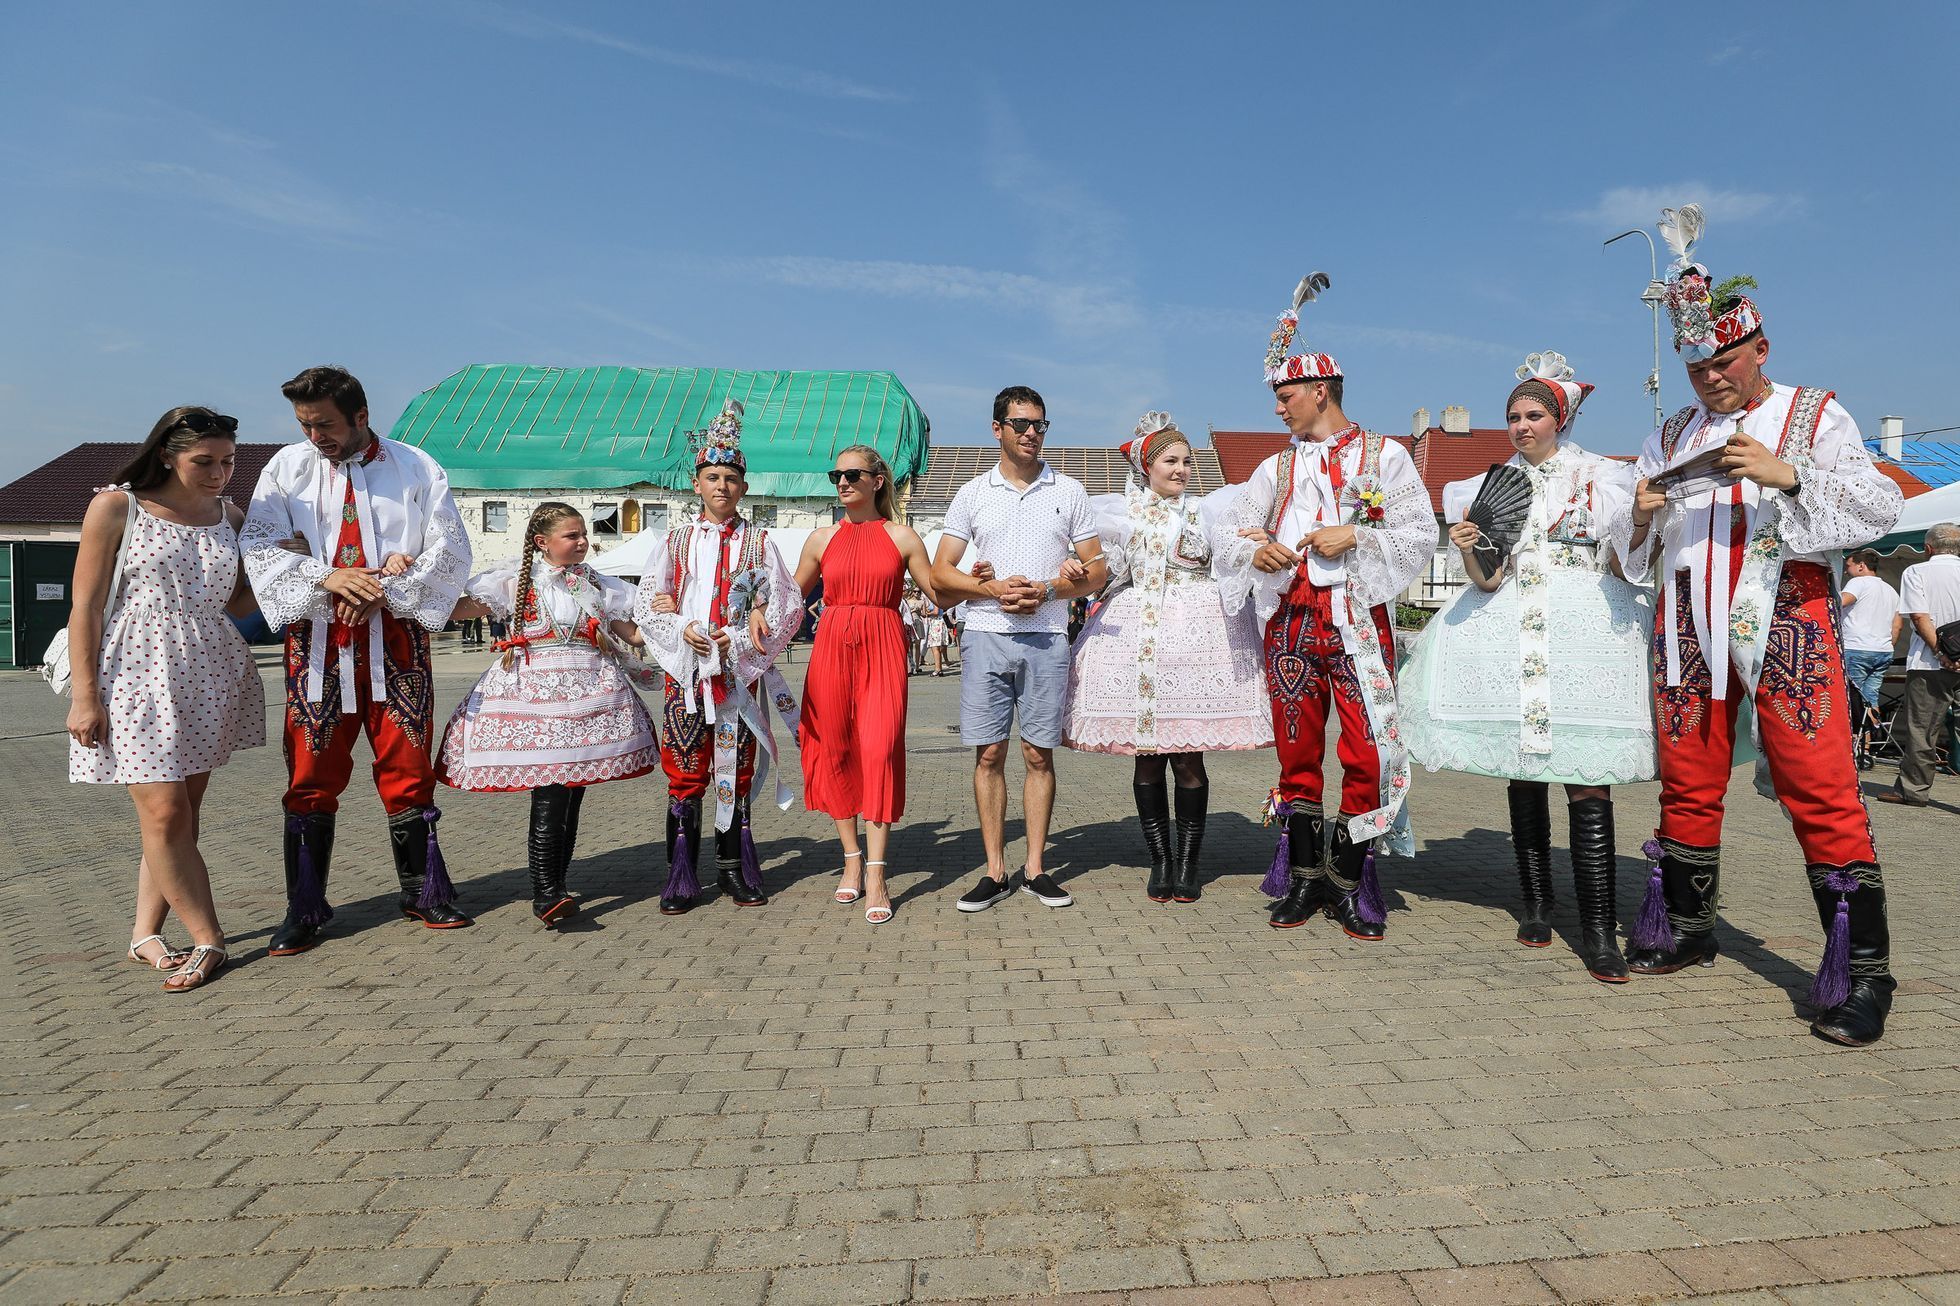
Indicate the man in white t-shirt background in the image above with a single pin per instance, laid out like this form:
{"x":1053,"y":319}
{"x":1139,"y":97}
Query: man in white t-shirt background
{"x":1929,"y":598}
{"x":1871,"y":631}
{"x":1035,"y":544}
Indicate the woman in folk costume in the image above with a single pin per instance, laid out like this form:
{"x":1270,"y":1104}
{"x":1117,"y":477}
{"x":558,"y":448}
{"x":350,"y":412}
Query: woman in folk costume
{"x":1323,"y":538}
{"x":1160,"y":672}
{"x":1745,"y":495}
{"x":1536,"y":672}
{"x":718,"y":606}
{"x":558,"y":712}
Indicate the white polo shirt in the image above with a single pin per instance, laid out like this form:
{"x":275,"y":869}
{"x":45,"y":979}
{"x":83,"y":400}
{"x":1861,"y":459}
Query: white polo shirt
{"x":1931,"y":587}
{"x":1027,"y":533}
{"x":1868,"y":622}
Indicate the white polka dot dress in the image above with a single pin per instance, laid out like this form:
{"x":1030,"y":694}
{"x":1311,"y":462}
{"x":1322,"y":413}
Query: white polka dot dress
{"x":177,"y":678}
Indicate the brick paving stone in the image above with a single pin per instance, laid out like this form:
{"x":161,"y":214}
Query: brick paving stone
{"x":213,"y":1277}
{"x":1358,"y":1290}
{"x":1270,"y":1258}
{"x":746,"y":1288}
{"x":77,"y":1283}
{"x":865,"y":1285}
{"x":1614,"y":1277}
{"x":1485,"y":1285}
{"x":1743,"y":1265}
{"x":978,"y":1276}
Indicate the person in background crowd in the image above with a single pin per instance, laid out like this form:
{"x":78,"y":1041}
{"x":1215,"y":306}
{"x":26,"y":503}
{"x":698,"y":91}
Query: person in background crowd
{"x":1929,"y":597}
{"x":1871,"y":631}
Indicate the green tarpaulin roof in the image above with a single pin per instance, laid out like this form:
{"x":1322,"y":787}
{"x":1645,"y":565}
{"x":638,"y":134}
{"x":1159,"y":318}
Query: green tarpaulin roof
{"x":507,"y":427}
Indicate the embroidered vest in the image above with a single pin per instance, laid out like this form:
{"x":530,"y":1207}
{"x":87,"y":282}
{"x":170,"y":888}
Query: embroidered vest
{"x":750,"y":556}
{"x":1371,"y":465}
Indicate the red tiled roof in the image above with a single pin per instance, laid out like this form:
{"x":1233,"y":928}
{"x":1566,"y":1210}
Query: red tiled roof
{"x":1101,"y":470}
{"x":1905,"y":480}
{"x":58,"y":491}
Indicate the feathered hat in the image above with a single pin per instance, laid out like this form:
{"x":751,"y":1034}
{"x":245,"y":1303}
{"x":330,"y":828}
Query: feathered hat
{"x":721,"y":444}
{"x":1155,"y":433}
{"x":1281,"y":364}
{"x":1547,"y":376}
{"x":1706,"y":321}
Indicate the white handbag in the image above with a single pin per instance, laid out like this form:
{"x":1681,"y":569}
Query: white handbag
{"x":54,"y":663}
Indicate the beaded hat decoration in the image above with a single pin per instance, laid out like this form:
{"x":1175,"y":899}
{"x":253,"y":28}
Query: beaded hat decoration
{"x":1706,"y":319}
{"x":721,"y":444}
{"x":1281,"y":364}
{"x":1155,"y":433}
{"x":1548,"y":377}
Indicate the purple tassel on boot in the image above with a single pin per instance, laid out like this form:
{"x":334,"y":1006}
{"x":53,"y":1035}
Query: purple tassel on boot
{"x":680,"y":867}
{"x":1279,"y":876}
{"x":1652,"y":931}
{"x":437,"y":891}
{"x":309,"y":904}
{"x":751,"y":864}
{"x":1368,"y":902}
{"x":1833,"y":983}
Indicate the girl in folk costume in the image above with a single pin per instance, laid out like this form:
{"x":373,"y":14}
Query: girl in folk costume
{"x":718,"y":607}
{"x":1323,"y":538}
{"x":558,"y":712}
{"x":853,"y":729}
{"x":1160,"y":672}
{"x":1536,"y":672}
{"x":1744,"y":497}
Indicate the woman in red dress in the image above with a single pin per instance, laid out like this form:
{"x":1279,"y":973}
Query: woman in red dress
{"x":853,"y":737}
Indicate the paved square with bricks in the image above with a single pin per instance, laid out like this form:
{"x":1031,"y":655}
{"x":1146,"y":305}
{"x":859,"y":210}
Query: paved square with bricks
{"x":1117,"y":1101}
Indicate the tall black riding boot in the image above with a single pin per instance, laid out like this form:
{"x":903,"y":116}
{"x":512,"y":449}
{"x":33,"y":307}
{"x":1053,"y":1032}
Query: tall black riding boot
{"x":549,"y":901}
{"x":1857,"y":956}
{"x":574,"y":800}
{"x":1592,"y":876}
{"x":1676,"y":927}
{"x":1355,"y":897}
{"x":738,"y":872}
{"x":1193,"y":804}
{"x":1306,"y":880}
{"x":309,"y":855}
{"x":1531,"y":840}
{"x":1154,"y":814}
{"x":683,"y":842}
{"x":426,"y":891}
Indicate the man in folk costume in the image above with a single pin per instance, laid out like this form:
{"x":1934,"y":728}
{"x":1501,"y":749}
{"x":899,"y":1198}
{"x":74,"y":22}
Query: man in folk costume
{"x":1744,"y":496}
{"x":354,"y":545}
{"x":717,"y":607}
{"x":1326,"y":534}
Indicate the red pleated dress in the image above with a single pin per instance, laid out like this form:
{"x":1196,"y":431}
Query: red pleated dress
{"x":853,"y":739}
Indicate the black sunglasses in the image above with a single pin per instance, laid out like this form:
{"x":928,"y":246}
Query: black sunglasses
{"x":207,"y":423}
{"x":1021,"y":424}
{"x":851,"y":474}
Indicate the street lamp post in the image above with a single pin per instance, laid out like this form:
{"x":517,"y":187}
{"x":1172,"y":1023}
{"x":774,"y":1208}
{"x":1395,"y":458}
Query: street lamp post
{"x":1653,"y":297}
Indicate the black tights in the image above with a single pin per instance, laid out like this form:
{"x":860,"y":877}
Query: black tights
{"x":1188,"y":767}
{"x":1573,"y":793}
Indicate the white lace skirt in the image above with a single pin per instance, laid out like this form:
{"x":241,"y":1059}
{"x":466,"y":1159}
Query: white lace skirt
{"x":1460,"y":690}
{"x":564,"y":715}
{"x":1209,"y":693}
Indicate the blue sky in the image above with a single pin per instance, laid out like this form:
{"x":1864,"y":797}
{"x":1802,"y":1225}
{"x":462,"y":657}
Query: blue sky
{"x":1108,"y":202}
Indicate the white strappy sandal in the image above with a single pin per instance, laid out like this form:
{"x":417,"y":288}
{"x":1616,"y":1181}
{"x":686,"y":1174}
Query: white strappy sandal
{"x":171,"y":959}
{"x":849,"y":895}
{"x":195,"y":967}
{"x":877,"y":915}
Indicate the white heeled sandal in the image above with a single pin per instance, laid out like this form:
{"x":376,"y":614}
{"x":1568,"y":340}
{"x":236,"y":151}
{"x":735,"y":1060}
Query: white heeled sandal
{"x":877,"y":915}
{"x":849,"y":895}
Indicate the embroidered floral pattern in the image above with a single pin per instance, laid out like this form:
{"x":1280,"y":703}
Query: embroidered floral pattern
{"x":1799,"y":658}
{"x":1679,"y":708}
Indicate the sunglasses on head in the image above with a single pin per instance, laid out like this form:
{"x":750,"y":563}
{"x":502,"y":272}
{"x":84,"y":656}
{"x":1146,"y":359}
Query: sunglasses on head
{"x":1022,"y":425}
{"x":207,"y":423}
{"x":851,"y":474}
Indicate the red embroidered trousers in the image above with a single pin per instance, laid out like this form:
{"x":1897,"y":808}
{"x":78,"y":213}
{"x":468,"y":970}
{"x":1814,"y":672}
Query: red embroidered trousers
{"x":1307,"y":669}
{"x":320,"y":738}
{"x":687,"y":749}
{"x":1803,"y":719}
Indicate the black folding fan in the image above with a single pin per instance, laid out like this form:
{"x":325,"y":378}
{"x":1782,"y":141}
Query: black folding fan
{"x":1498,"y":512}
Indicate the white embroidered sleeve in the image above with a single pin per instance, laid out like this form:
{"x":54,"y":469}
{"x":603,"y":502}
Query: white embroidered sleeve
{"x":287,"y":585}
{"x":1616,"y":524}
{"x":662,"y":630}
{"x":1842,"y":500}
{"x":1612,"y":487}
{"x":783,"y":609}
{"x":617,"y":599}
{"x":1387,"y":558}
{"x":426,"y":593}
{"x":1112,"y":518}
{"x":1226,"y":513}
{"x":495,"y":589}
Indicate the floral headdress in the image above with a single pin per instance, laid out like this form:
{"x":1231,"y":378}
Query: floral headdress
{"x":721,"y":444}
{"x":1548,"y":376}
{"x":1706,"y":319}
{"x":1281,"y":364}
{"x":1155,"y":432}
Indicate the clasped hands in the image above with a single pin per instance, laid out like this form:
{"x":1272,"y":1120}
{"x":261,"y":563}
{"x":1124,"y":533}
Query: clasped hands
{"x":704,"y":641}
{"x":1018,"y":594}
{"x":1328,"y":542}
{"x":357,"y":592}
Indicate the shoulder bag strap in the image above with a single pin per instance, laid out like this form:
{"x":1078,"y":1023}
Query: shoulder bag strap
{"x":122,"y":553}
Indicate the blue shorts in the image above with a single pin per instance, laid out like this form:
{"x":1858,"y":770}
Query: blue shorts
{"x":1864,"y":670}
{"x":1001,"y":674}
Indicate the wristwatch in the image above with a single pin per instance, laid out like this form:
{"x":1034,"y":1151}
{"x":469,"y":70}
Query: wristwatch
{"x":1047,"y":591}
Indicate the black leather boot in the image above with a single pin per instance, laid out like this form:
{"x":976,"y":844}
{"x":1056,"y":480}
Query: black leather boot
{"x":1860,"y":1018}
{"x":309,"y":855}
{"x":1592,"y":876}
{"x":1154,"y":814}
{"x":574,"y":800}
{"x":549,"y":901}
{"x":683,"y":845}
{"x":1193,"y":803}
{"x":1691,"y":881}
{"x":737,"y":873}
{"x":1307,"y":884}
{"x":1354,"y":896}
{"x":1531,"y":840}
{"x":426,"y":895}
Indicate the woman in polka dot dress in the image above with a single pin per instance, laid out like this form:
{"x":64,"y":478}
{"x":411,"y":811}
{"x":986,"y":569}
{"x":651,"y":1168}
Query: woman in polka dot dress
{"x":165,"y":689}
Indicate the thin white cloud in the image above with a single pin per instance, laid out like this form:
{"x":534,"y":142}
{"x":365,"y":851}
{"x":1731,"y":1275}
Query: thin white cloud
{"x":530,"y":26}
{"x":650,"y":330}
{"x":266,"y":196}
{"x":1640,"y":206}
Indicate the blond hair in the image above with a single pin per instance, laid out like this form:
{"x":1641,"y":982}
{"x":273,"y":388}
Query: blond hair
{"x":883,"y":499}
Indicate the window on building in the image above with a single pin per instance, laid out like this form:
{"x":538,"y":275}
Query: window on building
{"x":629,"y":517}
{"x":496,"y":515}
{"x":653,"y":516}
{"x":604,"y":520}
{"x":836,"y":514}
{"x":764,"y":514}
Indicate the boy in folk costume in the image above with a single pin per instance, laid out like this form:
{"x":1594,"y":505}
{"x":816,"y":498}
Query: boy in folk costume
{"x":1744,"y":495}
{"x":357,"y":637}
{"x":717,"y":608}
{"x":1325,"y":536}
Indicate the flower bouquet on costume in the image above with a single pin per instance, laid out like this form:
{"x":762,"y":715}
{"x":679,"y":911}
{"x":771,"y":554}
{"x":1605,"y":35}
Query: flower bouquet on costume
{"x":1498,"y":512}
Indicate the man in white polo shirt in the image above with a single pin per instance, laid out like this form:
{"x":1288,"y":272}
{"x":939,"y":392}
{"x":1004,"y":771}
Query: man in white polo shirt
{"x":1929,"y":597}
{"x":1035,"y":544}
{"x":1871,"y":631}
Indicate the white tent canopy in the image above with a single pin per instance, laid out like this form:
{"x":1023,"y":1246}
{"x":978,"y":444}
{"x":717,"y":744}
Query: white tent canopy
{"x":1933,"y":508}
{"x":630,"y":558}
